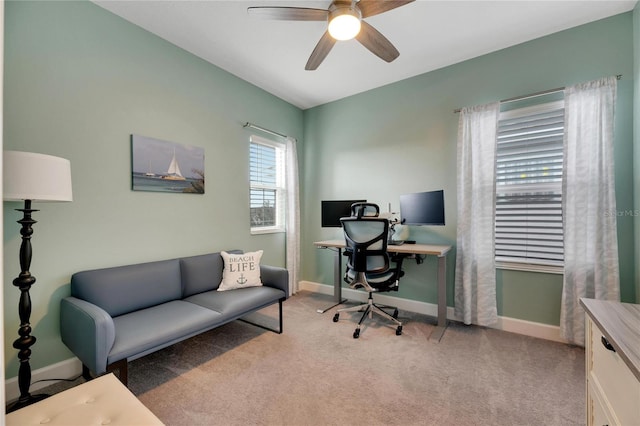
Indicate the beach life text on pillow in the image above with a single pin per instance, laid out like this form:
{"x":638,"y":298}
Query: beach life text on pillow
{"x":240,"y":270}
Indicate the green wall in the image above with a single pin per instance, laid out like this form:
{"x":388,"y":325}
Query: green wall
{"x":78,"y":81}
{"x":402,"y":138}
{"x":636,"y":138}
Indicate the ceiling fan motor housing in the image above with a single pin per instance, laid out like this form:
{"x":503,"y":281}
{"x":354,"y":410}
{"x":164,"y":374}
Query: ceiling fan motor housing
{"x":344,"y":20}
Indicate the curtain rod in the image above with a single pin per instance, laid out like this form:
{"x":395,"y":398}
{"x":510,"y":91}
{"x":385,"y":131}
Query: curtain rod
{"x":533,"y":95}
{"x":262,"y":129}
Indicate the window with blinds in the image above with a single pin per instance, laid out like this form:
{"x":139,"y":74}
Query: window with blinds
{"x":529,"y":160}
{"x":266,"y":176}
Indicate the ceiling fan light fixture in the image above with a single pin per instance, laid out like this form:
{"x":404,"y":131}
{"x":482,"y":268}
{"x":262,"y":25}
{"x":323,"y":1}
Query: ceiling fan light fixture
{"x":344,"y":23}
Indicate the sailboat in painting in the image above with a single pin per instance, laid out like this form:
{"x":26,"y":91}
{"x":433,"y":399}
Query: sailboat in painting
{"x":149,"y":173}
{"x":174,"y":169}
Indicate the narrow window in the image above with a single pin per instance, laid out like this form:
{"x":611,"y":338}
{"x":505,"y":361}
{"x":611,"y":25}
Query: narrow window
{"x":267,"y":190}
{"x":529,"y":165}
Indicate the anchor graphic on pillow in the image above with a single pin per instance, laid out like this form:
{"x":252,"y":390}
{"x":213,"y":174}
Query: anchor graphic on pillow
{"x":241,"y":280}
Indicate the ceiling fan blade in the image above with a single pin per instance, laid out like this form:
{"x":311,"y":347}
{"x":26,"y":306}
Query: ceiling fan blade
{"x":378,"y":44}
{"x":320,"y":52}
{"x":289,"y":13}
{"x":375,"y":7}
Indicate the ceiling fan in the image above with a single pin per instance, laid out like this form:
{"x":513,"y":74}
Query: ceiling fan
{"x":344,"y":21}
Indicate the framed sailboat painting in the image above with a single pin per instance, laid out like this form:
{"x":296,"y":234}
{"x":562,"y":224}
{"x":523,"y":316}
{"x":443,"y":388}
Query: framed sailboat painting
{"x":163,"y":166}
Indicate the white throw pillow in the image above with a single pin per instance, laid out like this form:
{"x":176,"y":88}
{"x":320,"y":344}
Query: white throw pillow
{"x":240,"y":270}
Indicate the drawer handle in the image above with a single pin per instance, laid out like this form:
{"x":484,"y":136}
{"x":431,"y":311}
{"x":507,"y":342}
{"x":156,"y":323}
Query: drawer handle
{"x":606,"y":344}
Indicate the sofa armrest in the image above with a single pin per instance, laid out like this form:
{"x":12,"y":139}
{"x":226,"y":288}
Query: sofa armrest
{"x":88,"y":331}
{"x":275,"y":277}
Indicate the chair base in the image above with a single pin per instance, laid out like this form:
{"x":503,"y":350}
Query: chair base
{"x":369,"y":309}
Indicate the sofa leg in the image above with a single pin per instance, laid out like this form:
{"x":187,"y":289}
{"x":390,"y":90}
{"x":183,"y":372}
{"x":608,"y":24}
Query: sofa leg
{"x":123,"y":370}
{"x":279,"y":331}
{"x":280,"y":314}
{"x":86,"y":373}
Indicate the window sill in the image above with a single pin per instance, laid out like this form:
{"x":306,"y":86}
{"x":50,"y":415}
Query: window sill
{"x":260,"y":231}
{"x":528,"y":267}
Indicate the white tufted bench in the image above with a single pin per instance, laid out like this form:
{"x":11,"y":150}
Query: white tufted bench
{"x":101,"y":401}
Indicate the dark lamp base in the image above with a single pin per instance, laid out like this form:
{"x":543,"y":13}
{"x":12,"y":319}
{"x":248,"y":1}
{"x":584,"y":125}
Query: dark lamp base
{"x":23,"y":402}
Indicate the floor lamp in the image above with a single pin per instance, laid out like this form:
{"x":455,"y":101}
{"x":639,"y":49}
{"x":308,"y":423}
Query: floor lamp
{"x":31,"y":177}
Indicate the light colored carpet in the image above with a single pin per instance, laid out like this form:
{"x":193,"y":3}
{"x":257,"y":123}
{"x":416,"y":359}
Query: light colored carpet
{"x":315,"y":373}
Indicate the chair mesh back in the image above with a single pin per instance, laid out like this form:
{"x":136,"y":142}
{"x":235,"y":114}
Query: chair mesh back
{"x":366,"y":243}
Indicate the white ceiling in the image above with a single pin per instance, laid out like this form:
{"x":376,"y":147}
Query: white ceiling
{"x":429,"y":34}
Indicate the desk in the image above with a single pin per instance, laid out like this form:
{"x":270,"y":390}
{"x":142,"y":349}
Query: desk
{"x":426,"y":249}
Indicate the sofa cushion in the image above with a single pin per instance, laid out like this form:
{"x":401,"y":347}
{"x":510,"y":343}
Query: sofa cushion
{"x":240,"y":270}
{"x":200,"y":273}
{"x":125,"y":289}
{"x":145,"y":331}
{"x":233,"y":304}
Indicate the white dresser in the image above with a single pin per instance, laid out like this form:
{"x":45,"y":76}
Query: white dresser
{"x":612,"y":362}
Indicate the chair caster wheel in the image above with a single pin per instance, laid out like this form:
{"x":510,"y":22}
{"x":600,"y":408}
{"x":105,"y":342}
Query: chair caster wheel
{"x":356,"y":333}
{"x":395,"y":314}
{"x":399,"y":330}
{"x":336,"y":317}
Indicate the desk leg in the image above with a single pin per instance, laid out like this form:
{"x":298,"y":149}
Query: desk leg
{"x":442,"y":299}
{"x":337,"y":279}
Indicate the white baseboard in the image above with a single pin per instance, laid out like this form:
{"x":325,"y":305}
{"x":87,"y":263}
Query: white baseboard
{"x":67,"y":369}
{"x":513,"y":325}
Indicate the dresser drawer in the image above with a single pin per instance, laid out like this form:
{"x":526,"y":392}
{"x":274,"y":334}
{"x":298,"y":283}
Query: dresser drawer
{"x":620,"y":388}
{"x":597,"y":410}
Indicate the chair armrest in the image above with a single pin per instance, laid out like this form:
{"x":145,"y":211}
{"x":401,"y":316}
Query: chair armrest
{"x":88,"y":331}
{"x":273,"y":276}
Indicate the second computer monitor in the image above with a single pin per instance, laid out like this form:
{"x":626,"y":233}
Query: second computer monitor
{"x":422,"y":208}
{"x":333,"y":210}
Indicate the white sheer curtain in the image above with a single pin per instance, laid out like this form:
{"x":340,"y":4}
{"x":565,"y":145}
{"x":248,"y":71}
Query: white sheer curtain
{"x":292,"y":216}
{"x":475,"y":282}
{"x":590,"y":241}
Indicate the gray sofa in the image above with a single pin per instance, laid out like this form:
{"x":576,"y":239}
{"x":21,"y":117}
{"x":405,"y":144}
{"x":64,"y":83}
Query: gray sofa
{"x":116,"y":315}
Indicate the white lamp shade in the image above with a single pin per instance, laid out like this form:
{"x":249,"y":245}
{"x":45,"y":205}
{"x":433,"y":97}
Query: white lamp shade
{"x":36,"y":177}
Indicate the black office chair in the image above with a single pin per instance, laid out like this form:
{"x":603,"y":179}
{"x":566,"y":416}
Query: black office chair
{"x":369,"y":266}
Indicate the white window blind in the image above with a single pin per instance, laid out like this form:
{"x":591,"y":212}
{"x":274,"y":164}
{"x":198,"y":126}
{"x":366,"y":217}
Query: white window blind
{"x":529,"y":164}
{"x":266,"y":176}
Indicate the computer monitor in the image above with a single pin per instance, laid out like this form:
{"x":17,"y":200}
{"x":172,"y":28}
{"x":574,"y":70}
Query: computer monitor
{"x":422,"y":208}
{"x":333,"y":210}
